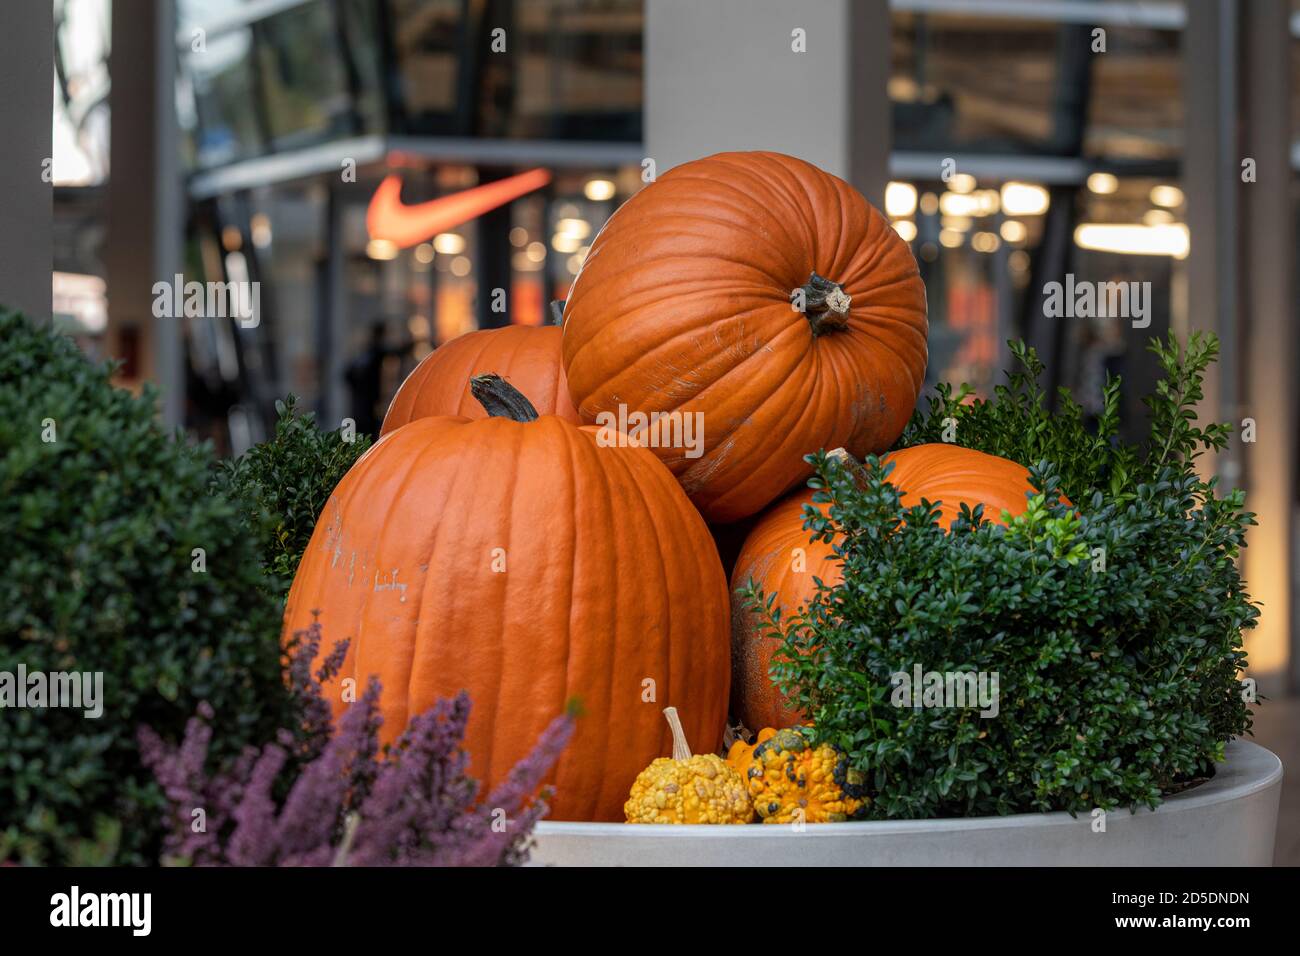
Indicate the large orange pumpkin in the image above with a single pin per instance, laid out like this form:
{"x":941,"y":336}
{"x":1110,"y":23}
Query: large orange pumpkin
{"x":778,"y":555}
{"x":526,"y":356}
{"x":528,"y":562}
{"x":688,"y":303}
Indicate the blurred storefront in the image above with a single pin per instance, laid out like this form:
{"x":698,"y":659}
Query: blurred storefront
{"x":291,"y":114}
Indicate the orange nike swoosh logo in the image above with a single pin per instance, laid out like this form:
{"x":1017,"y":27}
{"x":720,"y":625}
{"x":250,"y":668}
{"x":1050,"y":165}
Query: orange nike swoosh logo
{"x":389,"y":218}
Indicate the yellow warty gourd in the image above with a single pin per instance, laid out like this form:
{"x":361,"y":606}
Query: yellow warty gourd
{"x":687,"y":789}
{"x":790,"y":781}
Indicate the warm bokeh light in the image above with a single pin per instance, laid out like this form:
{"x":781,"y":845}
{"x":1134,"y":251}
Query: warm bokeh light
{"x":1024,"y":199}
{"x":1103,"y":183}
{"x":449,"y":243}
{"x":981,"y":203}
{"x":962,"y":183}
{"x":956,"y":204}
{"x":1131,"y":239}
{"x":574,"y":227}
{"x":231,"y":238}
{"x":598,"y":190}
{"x":565,"y":242}
{"x":259,"y":227}
{"x":900,"y":199}
{"x":905,"y":229}
{"x":381,"y":249}
{"x":1171,"y":197}
{"x":1013,"y":231}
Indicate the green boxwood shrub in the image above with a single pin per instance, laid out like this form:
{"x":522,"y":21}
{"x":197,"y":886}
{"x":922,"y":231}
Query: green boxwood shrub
{"x":102,"y":514}
{"x":1114,"y":624}
{"x":284,"y":484}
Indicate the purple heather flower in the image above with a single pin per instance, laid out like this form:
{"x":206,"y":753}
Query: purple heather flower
{"x":323,"y":795}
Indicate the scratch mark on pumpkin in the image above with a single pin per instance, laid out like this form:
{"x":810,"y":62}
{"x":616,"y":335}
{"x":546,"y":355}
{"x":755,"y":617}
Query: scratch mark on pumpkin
{"x":695,"y":479}
{"x":334,"y":532}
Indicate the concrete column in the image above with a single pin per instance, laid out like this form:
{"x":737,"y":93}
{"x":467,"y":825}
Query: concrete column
{"x":1268,"y":340}
{"x":146,"y":200}
{"x":1236,"y":82}
{"x":724,"y":75}
{"x":1209,"y":156}
{"x":26,"y":193}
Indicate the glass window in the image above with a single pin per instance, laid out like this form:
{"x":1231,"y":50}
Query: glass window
{"x":569,"y":68}
{"x":1135,"y":110}
{"x":426,"y":37}
{"x":306,"y":86}
{"x":946,"y":96}
{"x":363,"y":56}
{"x":576,"y":72}
{"x":81,"y":109}
{"x":226,"y":98}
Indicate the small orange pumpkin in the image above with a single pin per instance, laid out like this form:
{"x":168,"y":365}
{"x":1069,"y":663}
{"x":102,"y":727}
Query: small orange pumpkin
{"x":762,"y":297}
{"x":528,"y":561}
{"x":526,"y":356}
{"x":778,"y":555}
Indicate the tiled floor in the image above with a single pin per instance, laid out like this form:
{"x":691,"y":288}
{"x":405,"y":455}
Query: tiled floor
{"x":1277,"y":727}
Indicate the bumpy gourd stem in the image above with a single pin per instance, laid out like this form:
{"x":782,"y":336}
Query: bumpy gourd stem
{"x":681,"y":750}
{"x":825,"y":304}
{"x":500,"y":399}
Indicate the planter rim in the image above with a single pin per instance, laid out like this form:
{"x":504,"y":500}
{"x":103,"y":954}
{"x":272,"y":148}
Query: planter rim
{"x":1247,"y":768}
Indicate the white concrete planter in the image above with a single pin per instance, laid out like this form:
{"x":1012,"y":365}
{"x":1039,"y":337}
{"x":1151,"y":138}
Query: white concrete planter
{"x":1228,"y":821}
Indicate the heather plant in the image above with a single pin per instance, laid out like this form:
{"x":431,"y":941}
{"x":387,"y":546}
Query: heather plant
{"x":1113,"y":622}
{"x":347,"y":803}
{"x":282,"y":485}
{"x":116,"y":561}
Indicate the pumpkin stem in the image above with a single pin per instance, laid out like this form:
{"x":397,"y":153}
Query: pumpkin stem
{"x":681,"y":749}
{"x":557,"y":311}
{"x":825,"y":303}
{"x":500,"y":399}
{"x":851,"y":464}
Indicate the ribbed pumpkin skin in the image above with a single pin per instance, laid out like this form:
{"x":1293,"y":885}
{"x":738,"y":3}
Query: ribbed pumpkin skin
{"x":938,"y":472}
{"x":769,"y":557}
{"x":683,"y":304}
{"x":953,"y":476}
{"x":526,"y":356}
{"x":611,"y":578}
